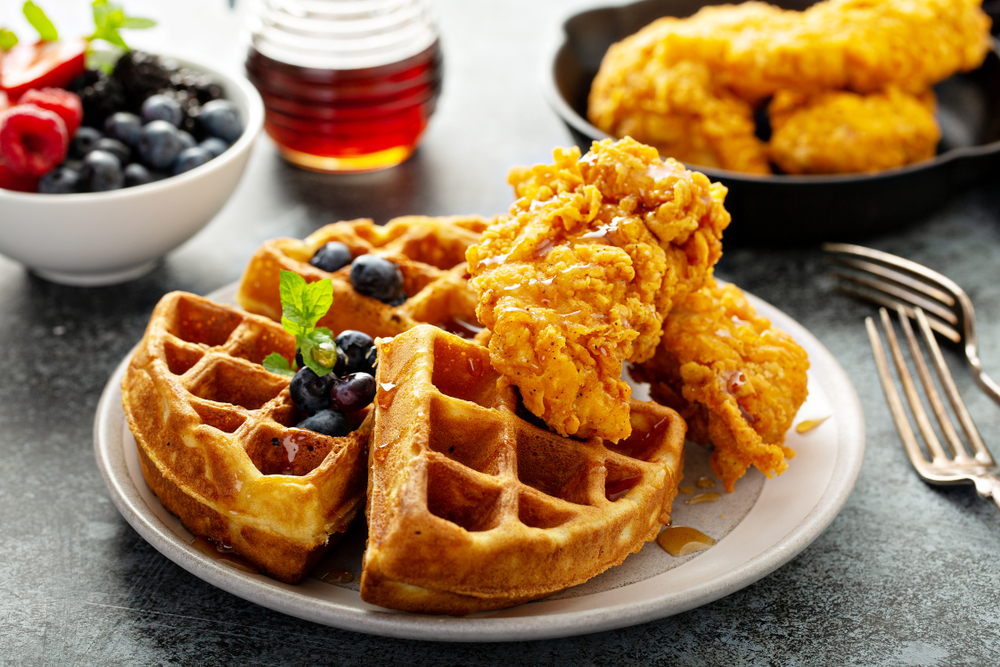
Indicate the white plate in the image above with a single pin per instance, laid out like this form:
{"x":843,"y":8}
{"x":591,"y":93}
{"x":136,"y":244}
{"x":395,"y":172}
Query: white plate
{"x":759,"y":527}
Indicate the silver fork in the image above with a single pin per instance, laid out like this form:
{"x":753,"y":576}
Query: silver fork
{"x":895,"y":282}
{"x":953,"y":465}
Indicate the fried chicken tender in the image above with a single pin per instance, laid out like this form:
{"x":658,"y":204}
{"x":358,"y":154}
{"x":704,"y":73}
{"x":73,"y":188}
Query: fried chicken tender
{"x":580,"y":274}
{"x":688,"y":85}
{"x":756,"y":49}
{"x":676,"y":109}
{"x":736,"y":380}
{"x":840,"y":132}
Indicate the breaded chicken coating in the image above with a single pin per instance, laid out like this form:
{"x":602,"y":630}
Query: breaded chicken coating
{"x":688,"y":85}
{"x":736,"y":380}
{"x":578,"y":277}
{"x":841,"y":132}
{"x":678,"y":110}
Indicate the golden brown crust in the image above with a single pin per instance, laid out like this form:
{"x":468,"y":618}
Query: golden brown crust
{"x":430,"y":252}
{"x":470,"y":507}
{"x":688,"y":85}
{"x":840,"y":132}
{"x":578,"y":277}
{"x":737,"y":381}
{"x":216,"y":442}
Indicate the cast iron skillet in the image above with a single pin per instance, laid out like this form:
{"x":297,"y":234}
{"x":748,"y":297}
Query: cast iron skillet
{"x":788,"y":210}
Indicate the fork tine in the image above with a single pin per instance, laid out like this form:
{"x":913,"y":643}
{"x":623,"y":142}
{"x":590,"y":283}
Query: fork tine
{"x":901,"y":294}
{"x":895,"y":276}
{"x":933,"y":397}
{"x":957,"y":404}
{"x":937,"y":452}
{"x":882,"y":300}
{"x":917,"y":457}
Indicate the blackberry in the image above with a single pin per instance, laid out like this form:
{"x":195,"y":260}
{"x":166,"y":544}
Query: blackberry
{"x":199,"y":86}
{"x":88,"y":78}
{"x":141,"y":74}
{"x":100,"y":99}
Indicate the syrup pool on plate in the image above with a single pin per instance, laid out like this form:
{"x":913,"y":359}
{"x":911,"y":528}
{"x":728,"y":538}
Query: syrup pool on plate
{"x":348,"y":85}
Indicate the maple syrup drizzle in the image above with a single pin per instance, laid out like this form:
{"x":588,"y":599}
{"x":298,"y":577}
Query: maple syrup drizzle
{"x":687,"y":490}
{"x":683,"y":540}
{"x":338,"y":577}
{"x":222,"y":553}
{"x":703,"y":498}
{"x":705,"y":483}
{"x":807,"y":425}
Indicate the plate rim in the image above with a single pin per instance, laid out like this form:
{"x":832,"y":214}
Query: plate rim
{"x":284,"y":598}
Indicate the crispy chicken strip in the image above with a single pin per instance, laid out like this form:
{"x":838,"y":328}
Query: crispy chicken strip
{"x":756,"y":49}
{"x":580,"y":274}
{"x":735,"y":379}
{"x":840,"y":132}
{"x":676,"y":109}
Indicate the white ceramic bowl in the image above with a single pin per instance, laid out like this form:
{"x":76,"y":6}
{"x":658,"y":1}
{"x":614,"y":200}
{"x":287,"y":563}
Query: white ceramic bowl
{"x":99,"y":238}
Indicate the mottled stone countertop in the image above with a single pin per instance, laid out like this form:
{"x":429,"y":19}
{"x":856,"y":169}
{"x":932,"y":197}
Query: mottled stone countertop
{"x":907,"y":574}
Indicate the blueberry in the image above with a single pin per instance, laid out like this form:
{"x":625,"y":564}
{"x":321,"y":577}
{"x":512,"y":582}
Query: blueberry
{"x":115,"y":147}
{"x":334,"y":255}
{"x":376,"y":277}
{"x":220,"y":119}
{"x":352,"y":392}
{"x":328,"y":422}
{"x":310,"y":392}
{"x":191,"y":158}
{"x":215,"y":146}
{"x":360,"y":350}
{"x":59,"y":181}
{"x":161,"y":107}
{"x":159,"y":144}
{"x":136,"y":174}
{"x":101,"y":171}
{"x":124,"y":126}
{"x":399,"y":300}
{"x":83,"y":142}
{"x":186,"y":139}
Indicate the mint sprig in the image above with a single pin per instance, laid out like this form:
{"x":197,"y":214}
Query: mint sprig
{"x":302,"y":306}
{"x":40,"y":22}
{"x":110,"y":17}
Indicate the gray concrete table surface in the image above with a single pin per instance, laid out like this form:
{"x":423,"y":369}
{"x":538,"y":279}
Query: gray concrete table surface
{"x":907,"y":574}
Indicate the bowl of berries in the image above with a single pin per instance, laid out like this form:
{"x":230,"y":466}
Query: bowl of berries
{"x":104,"y":173}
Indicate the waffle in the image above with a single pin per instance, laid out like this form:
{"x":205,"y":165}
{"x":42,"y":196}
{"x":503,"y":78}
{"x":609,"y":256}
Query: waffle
{"x":430,"y":253}
{"x":215,"y":442}
{"x":474,"y":506}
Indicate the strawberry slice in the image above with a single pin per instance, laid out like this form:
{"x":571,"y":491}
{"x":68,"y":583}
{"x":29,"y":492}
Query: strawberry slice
{"x":41,"y":65}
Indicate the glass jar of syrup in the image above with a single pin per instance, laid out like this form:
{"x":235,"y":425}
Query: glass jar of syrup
{"x":348,"y":85}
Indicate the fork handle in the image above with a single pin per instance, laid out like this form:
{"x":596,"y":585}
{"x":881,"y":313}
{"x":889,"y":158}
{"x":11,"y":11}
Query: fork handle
{"x":988,"y":486}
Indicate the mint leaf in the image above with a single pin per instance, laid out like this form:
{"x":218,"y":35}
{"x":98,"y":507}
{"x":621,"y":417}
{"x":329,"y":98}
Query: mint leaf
{"x":40,"y":22}
{"x":137,"y":23}
{"x":302,"y":303}
{"x":8,"y":40}
{"x":276,"y":363}
{"x":302,"y":306}
{"x":110,"y":17}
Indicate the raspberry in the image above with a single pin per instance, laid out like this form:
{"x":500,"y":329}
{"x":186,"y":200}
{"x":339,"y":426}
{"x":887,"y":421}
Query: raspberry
{"x":32,"y":140}
{"x":10,"y":180}
{"x":62,"y":102}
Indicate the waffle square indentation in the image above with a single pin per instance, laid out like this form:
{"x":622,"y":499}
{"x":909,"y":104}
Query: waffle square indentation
{"x":464,"y":372}
{"x":181,"y":358}
{"x":204,"y":323}
{"x":536,"y":512}
{"x":553,"y":467}
{"x":470,"y":436}
{"x":229,"y":381}
{"x":457,"y":495}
